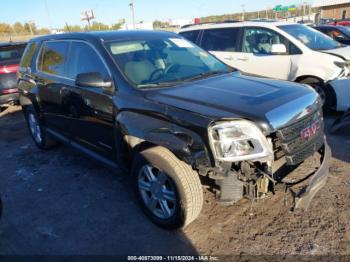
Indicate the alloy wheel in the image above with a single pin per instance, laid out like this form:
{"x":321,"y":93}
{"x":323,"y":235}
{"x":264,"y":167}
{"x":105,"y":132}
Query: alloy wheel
{"x":157,"y":191}
{"x":34,"y":128}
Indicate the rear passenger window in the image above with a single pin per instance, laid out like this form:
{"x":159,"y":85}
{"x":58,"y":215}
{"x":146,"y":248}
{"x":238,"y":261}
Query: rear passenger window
{"x":84,"y":59}
{"x":53,"y":58}
{"x":28,"y":55}
{"x":224,"y":39}
{"x":191,"y":35}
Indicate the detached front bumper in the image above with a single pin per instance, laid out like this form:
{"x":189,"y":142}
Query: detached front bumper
{"x":9,"y":98}
{"x":304,"y":197}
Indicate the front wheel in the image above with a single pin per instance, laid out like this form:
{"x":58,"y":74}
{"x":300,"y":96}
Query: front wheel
{"x":326,"y":94}
{"x":169,"y":191}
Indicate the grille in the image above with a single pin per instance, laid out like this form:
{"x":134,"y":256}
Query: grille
{"x":290,"y":144}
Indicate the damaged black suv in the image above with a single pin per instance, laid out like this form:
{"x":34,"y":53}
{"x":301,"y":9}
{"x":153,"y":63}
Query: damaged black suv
{"x":174,"y":117}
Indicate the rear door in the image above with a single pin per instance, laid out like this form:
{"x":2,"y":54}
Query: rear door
{"x":90,"y":108}
{"x":222,"y":43}
{"x":255,"y":57}
{"x":51,"y":78}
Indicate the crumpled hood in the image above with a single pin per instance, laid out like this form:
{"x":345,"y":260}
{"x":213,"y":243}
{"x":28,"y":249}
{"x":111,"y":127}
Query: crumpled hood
{"x":270,"y":103}
{"x":343,"y":52}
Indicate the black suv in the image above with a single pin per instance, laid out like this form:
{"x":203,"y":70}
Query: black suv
{"x":10,"y":56}
{"x":176,"y":117}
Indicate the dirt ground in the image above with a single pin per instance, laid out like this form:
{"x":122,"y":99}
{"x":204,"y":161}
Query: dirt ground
{"x":60,"y":202}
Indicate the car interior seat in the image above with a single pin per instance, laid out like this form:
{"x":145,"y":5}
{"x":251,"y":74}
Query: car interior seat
{"x":140,"y":68}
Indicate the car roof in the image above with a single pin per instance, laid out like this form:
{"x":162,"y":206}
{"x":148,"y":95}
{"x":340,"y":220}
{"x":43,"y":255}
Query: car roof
{"x":107,"y":35}
{"x":236,"y":24}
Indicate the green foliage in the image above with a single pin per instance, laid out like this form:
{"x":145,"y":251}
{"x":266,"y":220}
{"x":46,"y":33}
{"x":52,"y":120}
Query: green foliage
{"x":116,"y":26}
{"x":21,"y":29}
{"x":73,"y":28}
{"x":160,"y":24}
{"x":97,"y":26}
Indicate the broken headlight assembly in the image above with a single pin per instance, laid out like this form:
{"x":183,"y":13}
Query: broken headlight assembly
{"x":239,"y":140}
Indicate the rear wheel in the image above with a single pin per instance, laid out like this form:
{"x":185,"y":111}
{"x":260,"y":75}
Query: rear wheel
{"x":37,"y":130}
{"x":168,"y":190}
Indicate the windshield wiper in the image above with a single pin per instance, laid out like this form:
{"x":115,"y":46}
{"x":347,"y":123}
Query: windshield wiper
{"x":160,"y":84}
{"x":205,"y":75}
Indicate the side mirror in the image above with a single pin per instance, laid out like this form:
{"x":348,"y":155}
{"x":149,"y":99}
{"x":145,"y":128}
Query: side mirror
{"x":92,"y":79}
{"x":278,"y":49}
{"x":340,"y":38}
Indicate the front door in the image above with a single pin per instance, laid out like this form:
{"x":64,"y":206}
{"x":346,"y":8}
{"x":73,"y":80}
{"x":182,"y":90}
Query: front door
{"x":91,"y":108}
{"x":255,"y":55}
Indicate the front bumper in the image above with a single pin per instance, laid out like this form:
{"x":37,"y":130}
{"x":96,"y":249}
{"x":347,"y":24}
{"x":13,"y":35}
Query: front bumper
{"x":10,"y":98}
{"x":303,"y":198}
{"x":341,"y":89}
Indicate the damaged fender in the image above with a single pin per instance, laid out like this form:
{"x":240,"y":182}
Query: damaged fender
{"x":188,"y":146}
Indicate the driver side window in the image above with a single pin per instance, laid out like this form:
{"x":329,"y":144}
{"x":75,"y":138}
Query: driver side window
{"x":83,"y":59}
{"x":260,"y":40}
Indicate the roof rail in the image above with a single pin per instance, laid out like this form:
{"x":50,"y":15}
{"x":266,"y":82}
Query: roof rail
{"x":262,"y":20}
{"x":209,"y":23}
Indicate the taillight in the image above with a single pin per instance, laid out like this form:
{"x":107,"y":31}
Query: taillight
{"x":8,"y":69}
{"x":9,"y":91}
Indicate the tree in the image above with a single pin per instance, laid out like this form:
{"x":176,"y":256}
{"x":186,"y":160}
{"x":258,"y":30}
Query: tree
{"x":73,"y":28}
{"x":116,"y":26}
{"x":97,"y":26}
{"x":43,"y":31}
{"x":18,"y":28}
{"x":5,"y":28}
{"x":30,"y":27}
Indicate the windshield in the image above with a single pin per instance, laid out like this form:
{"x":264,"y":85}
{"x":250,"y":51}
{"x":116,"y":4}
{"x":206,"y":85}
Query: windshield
{"x":312,"y":38}
{"x":9,"y":53}
{"x":163,"y":61}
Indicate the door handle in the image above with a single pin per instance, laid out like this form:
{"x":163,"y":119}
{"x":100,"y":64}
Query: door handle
{"x":244,"y":59}
{"x":230,"y":58}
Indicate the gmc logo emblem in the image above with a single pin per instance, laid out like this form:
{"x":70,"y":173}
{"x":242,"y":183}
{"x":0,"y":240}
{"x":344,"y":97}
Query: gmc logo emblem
{"x":310,"y":131}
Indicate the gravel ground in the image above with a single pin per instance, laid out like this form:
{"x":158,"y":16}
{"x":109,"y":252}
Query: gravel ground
{"x":60,"y":202}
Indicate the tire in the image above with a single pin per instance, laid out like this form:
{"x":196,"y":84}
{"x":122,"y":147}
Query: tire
{"x":327,"y":95}
{"x":38,"y":131}
{"x":186,"y":200}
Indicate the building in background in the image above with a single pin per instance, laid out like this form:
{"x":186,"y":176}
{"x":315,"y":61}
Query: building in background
{"x":180,"y":22}
{"x":138,"y":26}
{"x":333,"y":9}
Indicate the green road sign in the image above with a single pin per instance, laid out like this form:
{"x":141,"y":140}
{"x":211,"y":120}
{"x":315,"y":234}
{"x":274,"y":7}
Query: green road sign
{"x":281,"y":8}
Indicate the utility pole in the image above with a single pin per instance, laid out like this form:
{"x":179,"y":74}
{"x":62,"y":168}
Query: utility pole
{"x":132,"y":10}
{"x":48,"y":15}
{"x":31,"y":27}
{"x":243,"y":12}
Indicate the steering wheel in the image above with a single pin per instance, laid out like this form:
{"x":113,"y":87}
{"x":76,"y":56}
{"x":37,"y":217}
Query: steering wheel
{"x":171,"y":67}
{"x":156,"y":74}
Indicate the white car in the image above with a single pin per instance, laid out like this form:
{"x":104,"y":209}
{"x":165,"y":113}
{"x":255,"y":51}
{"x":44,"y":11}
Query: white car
{"x":280,"y":50}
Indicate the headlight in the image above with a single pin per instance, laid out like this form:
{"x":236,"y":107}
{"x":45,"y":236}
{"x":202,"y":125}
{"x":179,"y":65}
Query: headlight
{"x":239,"y":140}
{"x":340,"y":64}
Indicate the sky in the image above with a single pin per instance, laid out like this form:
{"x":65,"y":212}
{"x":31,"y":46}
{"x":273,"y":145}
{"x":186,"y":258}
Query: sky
{"x":55,"y":13}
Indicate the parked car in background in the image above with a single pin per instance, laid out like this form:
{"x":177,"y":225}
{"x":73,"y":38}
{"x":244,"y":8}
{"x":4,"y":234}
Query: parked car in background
{"x":343,"y":22}
{"x":280,"y":50}
{"x":338,"y":33}
{"x":157,"y":105}
{"x":10,"y":56}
